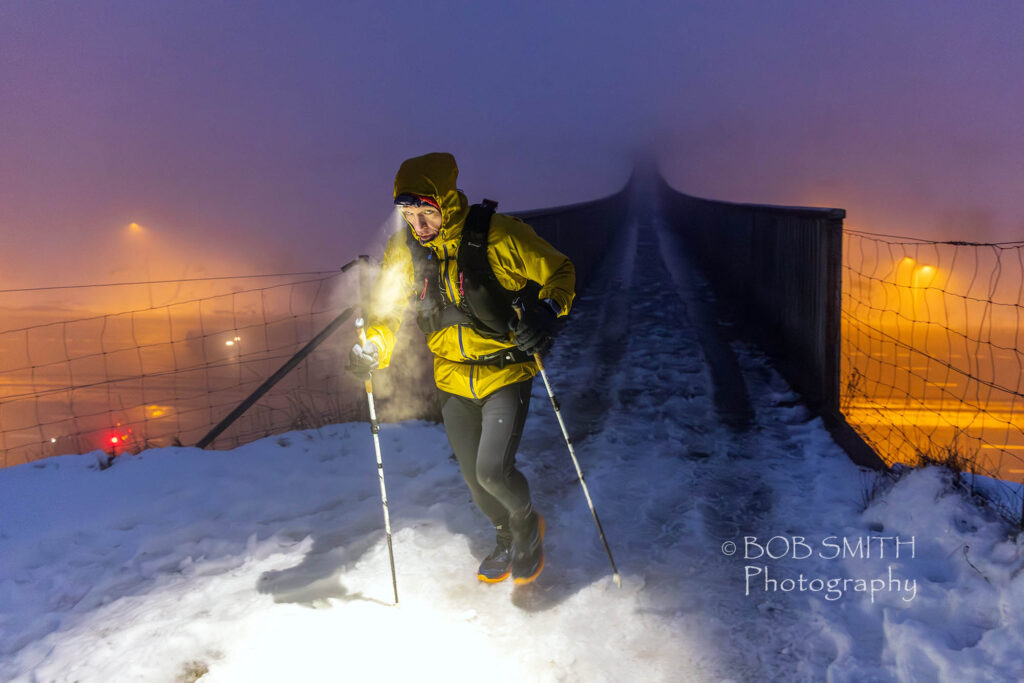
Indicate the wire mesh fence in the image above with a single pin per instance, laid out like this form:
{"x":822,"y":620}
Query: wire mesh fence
{"x":166,"y":370}
{"x":160,"y":375}
{"x":932,"y":353}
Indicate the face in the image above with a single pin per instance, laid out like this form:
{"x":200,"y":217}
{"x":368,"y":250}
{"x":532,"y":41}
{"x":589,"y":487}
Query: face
{"x":425,"y":221}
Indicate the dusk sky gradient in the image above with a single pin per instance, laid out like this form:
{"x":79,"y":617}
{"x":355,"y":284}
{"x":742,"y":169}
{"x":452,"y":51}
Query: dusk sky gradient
{"x":255,"y":137}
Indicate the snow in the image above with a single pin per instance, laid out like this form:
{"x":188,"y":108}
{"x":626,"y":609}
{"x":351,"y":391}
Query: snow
{"x":269,"y":562}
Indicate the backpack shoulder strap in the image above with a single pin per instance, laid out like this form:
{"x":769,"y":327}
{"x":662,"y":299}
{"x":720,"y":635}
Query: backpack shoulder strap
{"x":484,"y":298}
{"x":433,"y":312}
{"x":474,"y":234}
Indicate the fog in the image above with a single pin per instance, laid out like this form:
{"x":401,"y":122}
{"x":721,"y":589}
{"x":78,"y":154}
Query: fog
{"x":265,"y":137}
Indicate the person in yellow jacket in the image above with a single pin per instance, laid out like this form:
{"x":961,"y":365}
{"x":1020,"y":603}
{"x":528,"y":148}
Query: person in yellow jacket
{"x":488,"y":294}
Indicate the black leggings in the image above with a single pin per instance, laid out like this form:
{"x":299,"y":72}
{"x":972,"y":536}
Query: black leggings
{"x":484,"y":434}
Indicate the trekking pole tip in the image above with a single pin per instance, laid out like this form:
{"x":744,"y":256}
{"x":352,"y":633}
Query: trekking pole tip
{"x":617,"y":579}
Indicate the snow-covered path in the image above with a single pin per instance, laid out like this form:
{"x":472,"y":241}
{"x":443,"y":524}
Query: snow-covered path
{"x":269,"y":563}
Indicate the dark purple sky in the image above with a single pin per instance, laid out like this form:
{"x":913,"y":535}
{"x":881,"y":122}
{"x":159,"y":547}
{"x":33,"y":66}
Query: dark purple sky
{"x":266,"y":137}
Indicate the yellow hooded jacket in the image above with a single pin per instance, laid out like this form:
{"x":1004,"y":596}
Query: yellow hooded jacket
{"x":516,"y":255}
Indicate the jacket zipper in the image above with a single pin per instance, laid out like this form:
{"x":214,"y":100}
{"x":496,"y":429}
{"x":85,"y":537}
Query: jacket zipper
{"x":447,"y":279}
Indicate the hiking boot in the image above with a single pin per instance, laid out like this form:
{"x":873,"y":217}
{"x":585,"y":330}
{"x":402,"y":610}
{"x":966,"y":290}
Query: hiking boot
{"x":496,"y":566}
{"x":528,"y":558}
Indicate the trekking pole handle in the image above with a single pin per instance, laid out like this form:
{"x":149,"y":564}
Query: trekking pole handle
{"x":518,"y":307}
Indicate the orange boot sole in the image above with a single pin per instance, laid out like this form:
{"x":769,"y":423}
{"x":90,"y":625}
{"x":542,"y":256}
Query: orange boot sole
{"x":521,"y":580}
{"x":494,"y":580}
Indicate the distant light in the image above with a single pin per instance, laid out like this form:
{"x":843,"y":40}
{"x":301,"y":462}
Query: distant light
{"x":154,"y":411}
{"x":923,"y":276}
{"x":113,"y":439}
{"x":53,"y":440}
{"x":135,"y":227}
{"x":229,"y":342}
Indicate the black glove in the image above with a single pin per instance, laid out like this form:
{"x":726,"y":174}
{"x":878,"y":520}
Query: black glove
{"x":535,"y":331}
{"x":363,"y":359}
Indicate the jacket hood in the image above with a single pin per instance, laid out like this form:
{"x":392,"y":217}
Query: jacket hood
{"x":435,"y":175}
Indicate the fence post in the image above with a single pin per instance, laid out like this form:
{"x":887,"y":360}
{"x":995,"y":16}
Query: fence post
{"x":274,"y":379}
{"x":833,"y":308}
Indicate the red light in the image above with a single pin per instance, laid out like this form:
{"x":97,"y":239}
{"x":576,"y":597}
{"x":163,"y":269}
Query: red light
{"x":113,"y":439}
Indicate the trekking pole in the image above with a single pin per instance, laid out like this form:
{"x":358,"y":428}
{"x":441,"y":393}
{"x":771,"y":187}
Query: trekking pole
{"x":375,"y":429}
{"x":576,"y":462}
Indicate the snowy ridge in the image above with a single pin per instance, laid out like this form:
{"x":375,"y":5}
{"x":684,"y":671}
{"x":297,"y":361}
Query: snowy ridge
{"x":268,"y":563}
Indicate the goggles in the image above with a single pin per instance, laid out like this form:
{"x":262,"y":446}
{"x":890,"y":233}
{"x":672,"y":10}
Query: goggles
{"x":409,"y":199}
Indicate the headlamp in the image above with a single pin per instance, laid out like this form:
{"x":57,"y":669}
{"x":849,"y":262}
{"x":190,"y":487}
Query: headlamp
{"x":409,"y":199}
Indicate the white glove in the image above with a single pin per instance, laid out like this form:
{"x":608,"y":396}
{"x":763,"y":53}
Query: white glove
{"x":362,"y":359}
